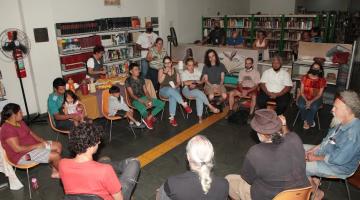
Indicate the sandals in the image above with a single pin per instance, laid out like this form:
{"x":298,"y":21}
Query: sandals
{"x":306,"y":125}
{"x":216,"y":110}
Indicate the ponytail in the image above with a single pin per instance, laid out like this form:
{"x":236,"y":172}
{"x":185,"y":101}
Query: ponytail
{"x":205,"y":176}
{"x":8,"y":110}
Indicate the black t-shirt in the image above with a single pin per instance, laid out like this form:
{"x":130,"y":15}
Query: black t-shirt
{"x":217,"y":36}
{"x":187,"y":186}
{"x":214,"y":73}
{"x":137,"y":86}
{"x":272,"y":168}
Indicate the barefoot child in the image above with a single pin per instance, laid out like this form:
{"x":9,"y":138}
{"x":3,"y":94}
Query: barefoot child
{"x":72,"y":105}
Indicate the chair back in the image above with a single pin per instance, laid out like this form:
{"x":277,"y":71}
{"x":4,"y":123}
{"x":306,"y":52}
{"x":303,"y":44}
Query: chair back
{"x":150,"y":88}
{"x":52,"y":125}
{"x":82,"y":197}
{"x":294,"y":194}
{"x":105,"y":102}
{"x":27,"y":166}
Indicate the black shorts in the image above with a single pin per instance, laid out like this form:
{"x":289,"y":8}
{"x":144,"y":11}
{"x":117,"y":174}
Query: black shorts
{"x":64,"y":125}
{"x":121,"y":113}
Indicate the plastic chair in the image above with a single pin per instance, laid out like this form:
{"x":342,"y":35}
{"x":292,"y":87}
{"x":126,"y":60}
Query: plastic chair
{"x":82,"y":197}
{"x":52,"y":125}
{"x":25,"y":167}
{"x":105,"y":111}
{"x":294,"y":194}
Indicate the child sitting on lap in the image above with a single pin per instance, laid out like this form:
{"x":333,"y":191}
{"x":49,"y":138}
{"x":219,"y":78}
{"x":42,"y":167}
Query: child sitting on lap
{"x":72,"y":105}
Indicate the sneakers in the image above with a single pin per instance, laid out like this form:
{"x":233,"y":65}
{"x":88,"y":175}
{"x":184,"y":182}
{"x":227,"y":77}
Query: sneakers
{"x":140,"y":125}
{"x":148,"y":123}
{"x":173,"y":122}
{"x":188,"y":110}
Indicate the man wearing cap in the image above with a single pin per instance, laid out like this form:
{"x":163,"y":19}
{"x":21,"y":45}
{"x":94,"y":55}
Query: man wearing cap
{"x":272,"y":166}
{"x":338,"y":155}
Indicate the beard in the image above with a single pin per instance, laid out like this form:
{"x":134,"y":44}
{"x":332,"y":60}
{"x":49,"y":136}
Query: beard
{"x":335,"y":122}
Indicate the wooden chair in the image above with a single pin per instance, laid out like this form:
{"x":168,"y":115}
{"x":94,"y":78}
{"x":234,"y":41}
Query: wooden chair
{"x":294,"y":194}
{"x":58,"y":131}
{"x":105,"y":112}
{"x":25,"y":167}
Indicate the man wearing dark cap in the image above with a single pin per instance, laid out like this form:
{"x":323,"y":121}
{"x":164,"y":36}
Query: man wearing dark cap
{"x":272,"y":166}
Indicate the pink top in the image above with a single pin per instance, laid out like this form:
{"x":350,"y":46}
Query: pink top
{"x":89,"y":178}
{"x":24,"y":137}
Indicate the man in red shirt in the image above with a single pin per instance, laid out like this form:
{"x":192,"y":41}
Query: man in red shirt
{"x":22,"y":146}
{"x":83,"y":175}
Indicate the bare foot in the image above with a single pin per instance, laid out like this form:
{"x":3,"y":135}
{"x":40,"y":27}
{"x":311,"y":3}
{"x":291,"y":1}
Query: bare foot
{"x":55,"y":173}
{"x":319,"y":195}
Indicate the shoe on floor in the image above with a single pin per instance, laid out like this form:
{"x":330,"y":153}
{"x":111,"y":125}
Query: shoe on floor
{"x":173,"y":122}
{"x":313,"y":125}
{"x":148,"y":123}
{"x":142,"y":125}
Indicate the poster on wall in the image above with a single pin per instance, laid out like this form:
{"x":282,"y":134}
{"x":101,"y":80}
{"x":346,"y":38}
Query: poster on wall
{"x":112,"y":2}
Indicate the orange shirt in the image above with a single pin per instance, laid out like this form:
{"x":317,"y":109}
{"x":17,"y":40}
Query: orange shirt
{"x":89,"y":178}
{"x":312,"y":86}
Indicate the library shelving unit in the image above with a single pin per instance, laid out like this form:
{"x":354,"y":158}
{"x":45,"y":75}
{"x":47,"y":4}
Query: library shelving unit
{"x":76,"y":41}
{"x":283,"y":31}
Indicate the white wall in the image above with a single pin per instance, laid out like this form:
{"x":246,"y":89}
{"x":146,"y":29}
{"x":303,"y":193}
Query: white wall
{"x":327,"y":5}
{"x":272,"y":6}
{"x":43,"y":65}
{"x":10,"y":18}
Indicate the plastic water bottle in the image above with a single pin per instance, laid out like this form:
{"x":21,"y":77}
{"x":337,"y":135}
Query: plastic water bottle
{"x":34,"y":183}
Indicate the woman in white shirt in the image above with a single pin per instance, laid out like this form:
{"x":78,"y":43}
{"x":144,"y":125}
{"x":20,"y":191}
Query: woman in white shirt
{"x":191,"y":81}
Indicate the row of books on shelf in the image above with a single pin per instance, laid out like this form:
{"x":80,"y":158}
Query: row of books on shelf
{"x":210,"y":22}
{"x":113,"y":70}
{"x":296,"y":23}
{"x":103,"y":25}
{"x":265,"y":22}
{"x":73,"y":44}
{"x":117,"y":39}
{"x":239,"y":23}
{"x":112,"y":55}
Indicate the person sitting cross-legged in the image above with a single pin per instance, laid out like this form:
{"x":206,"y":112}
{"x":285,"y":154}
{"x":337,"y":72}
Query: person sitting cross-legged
{"x":338,"y":155}
{"x":170,"y":83}
{"x":275,"y":164}
{"x":141,"y":99}
{"x":249,"y":79}
{"x":82,"y":175}
{"x":22,"y":145}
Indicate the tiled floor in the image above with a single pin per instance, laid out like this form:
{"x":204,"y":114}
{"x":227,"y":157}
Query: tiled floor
{"x":230,"y":141}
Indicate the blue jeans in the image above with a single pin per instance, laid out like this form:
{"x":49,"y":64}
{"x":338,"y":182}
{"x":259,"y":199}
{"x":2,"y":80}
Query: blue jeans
{"x":200,"y":98}
{"x":308,"y":115}
{"x":174,"y":97}
{"x":321,"y":168}
{"x":128,"y":172}
{"x":144,"y":67}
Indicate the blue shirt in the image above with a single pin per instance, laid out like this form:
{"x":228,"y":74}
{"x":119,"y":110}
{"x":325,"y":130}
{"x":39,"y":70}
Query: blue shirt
{"x":233,"y":42}
{"x":341,"y":148}
{"x":54,"y":103}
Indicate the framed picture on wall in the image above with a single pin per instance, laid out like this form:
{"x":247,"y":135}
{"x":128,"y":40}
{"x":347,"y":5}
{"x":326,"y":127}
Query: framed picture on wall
{"x":112,"y":2}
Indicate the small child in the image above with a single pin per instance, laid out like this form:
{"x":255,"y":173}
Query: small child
{"x":118,"y":107}
{"x":72,"y":105}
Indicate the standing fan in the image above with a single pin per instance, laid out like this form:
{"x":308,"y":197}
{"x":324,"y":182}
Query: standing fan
{"x":15,"y":46}
{"x":172,"y":39}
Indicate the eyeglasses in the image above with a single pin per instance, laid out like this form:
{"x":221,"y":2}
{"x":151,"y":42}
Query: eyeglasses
{"x":166,"y":63}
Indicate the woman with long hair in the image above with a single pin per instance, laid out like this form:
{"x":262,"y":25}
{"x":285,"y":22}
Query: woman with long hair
{"x":155,"y":58}
{"x":22,"y":145}
{"x":199,"y":182}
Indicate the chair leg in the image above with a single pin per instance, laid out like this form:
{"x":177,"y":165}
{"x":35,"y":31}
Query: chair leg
{"x":28,"y":179}
{"x":296,"y":118}
{"x":318,"y":120}
{"x":133,"y":132}
{"x":347,"y":189}
{"x":317,"y":187}
{"x":182,"y":111}
{"x":162,"y":114}
{"x":189,"y":103}
{"x":110,"y":130}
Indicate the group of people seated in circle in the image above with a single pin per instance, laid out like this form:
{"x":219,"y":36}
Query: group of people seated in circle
{"x":279,"y":162}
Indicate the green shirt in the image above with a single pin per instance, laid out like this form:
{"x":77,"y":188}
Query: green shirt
{"x":54,"y":103}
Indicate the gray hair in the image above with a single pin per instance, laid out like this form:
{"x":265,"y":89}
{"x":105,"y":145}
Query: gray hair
{"x":200,"y":153}
{"x":352,"y":101}
{"x":277,"y":57}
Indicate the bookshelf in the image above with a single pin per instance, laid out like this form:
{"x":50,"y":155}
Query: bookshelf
{"x":76,"y":40}
{"x":283,"y":31}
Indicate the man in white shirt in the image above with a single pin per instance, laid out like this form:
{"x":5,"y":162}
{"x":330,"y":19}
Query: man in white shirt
{"x":275,"y":85}
{"x":145,"y":41}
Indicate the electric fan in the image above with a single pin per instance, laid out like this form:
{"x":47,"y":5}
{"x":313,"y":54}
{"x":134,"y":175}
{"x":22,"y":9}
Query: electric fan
{"x":172,"y":38}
